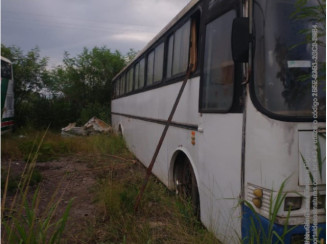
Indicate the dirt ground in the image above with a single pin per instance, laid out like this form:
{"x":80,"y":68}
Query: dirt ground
{"x":95,"y":217}
{"x":72,"y":177}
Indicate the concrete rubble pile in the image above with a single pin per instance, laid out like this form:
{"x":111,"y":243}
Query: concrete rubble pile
{"x":93,"y":126}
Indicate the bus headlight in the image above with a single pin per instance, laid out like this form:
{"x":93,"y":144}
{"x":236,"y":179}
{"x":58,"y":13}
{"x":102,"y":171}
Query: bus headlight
{"x":258,"y":193}
{"x":257,"y":202}
{"x":292,"y":203}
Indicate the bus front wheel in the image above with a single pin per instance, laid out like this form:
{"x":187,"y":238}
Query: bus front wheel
{"x":185,"y":183}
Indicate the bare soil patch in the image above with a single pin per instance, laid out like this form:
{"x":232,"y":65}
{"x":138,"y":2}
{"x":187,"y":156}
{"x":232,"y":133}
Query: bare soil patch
{"x":103,"y":179}
{"x":72,"y":177}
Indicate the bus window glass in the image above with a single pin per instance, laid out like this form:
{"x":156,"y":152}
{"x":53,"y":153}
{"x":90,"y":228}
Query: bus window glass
{"x":115,"y":90}
{"x":149,"y":77}
{"x":141,"y":73}
{"x":137,"y":78}
{"x":158,"y":62}
{"x":127,"y":82}
{"x":5,"y":70}
{"x":123,"y":81}
{"x":181,"y":48}
{"x":283,"y":61}
{"x":130,"y":79}
{"x":218,"y":72}
{"x":119,"y":86}
{"x":170,"y":56}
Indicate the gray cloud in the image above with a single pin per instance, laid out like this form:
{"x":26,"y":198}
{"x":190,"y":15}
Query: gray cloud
{"x":70,"y":25}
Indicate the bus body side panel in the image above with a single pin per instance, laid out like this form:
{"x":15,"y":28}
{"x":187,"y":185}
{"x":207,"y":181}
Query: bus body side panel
{"x":156,"y":104}
{"x":141,"y":138}
{"x":220,"y":163}
{"x":142,"y":117}
{"x":215,"y":156}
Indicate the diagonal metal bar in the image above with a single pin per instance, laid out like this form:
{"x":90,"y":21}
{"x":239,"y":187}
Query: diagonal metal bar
{"x":164,"y":132}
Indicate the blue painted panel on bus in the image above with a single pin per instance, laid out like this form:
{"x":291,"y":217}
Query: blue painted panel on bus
{"x":249,"y":219}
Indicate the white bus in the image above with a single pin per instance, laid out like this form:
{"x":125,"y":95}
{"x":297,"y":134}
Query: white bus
{"x":244,"y":122}
{"x":7,"y":96}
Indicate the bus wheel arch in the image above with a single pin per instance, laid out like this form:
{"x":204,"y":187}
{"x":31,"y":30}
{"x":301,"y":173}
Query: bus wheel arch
{"x":183,"y":178}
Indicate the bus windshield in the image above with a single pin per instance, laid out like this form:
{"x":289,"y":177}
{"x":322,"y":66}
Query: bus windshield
{"x":283,"y":59}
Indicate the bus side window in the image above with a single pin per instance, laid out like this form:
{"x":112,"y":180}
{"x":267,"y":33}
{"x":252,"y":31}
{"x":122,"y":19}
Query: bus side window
{"x":129,"y":78}
{"x":158,"y":62}
{"x":141,"y":73}
{"x":155,"y":65}
{"x":218,"y":70}
{"x":127,"y":81}
{"x":149,"y":77}
{"x":193,"y":46}
{"x":178,"y":50}
{"x":123,"y":81}
{"x":137,"y":78}
{"x":114,"y":92}
{"x":170,"y":56}
{"x":120,"y":87}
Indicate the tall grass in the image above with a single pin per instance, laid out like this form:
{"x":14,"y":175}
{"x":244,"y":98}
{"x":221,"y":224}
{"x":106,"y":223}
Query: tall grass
{"x":21,"y":220}
{"x":162,"y":217}
{"x":259,"y":234}
{"x":54,"y":146}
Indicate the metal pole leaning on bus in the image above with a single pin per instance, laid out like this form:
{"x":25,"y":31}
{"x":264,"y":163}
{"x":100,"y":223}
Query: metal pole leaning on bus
{"x":164,"y":132}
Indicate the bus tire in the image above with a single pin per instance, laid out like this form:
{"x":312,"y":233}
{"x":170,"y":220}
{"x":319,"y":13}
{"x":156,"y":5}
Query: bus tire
{"x":186,"y":184}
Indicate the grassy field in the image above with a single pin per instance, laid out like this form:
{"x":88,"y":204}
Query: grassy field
{"x":111,"y":178}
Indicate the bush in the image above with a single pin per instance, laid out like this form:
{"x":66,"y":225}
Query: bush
{"x":94,"y":109}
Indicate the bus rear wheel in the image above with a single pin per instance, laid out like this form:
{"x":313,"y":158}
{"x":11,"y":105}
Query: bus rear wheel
{"x":186,"y":185}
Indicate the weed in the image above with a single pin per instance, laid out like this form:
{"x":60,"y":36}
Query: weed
{"x":257,"y":232}
{"x":54,"y":146}
{"x":22,"y":222}
{"x":162,"y":217}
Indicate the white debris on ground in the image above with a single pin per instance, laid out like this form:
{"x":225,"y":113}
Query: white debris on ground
{"x":93,"y":126}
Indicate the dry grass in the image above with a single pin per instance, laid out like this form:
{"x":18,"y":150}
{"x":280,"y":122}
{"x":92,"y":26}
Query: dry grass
{"x":20,"y":146}
{"x":22,"y":220}
{"x":162,"y":216}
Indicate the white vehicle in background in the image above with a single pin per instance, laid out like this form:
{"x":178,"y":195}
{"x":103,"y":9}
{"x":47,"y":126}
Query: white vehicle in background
{"x":7,"y":96}
{"x":243,"y":125}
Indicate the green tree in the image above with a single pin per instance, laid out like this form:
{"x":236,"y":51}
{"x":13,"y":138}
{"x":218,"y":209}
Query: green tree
{"x":85,"y":80}
{"x":75,"y":91}
{"x":131,"y":54}
{"x":316,"y":14}
{"x":30,"y":70}
{"x":313,"y":12}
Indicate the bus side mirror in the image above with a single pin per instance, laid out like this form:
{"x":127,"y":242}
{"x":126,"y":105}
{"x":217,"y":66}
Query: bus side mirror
{"x":240,"y":40}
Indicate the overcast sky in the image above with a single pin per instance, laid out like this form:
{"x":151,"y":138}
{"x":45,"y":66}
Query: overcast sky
{"x":56,"y":26}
